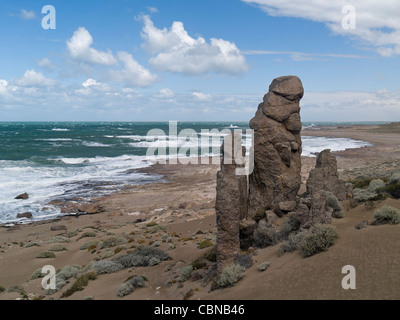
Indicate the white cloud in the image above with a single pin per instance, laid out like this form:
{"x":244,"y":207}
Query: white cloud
{"x":152,"y":9}
{"x":165,"y":94}
{"x":3,"y":83}
{"x":304,"y":56}
{"x":31,"y":78}
{"x":45,"y":63}
{"x":27,"y":15}
{"x":80,"y":48}
{"x":351,"y":105}
{"x":90,"y":82}
{"x":377,"y":22}
{"x":132,"y":74}
{"x":174,"y":50}
{"x":200,"y":96}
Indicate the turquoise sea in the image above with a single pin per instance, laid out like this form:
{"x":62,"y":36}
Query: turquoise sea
{"x":67,"y":160}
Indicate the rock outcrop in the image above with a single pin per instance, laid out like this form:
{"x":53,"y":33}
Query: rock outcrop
{"x":231,"y":202}
{"x":277,"y":147}
{"x":22,"y":196}
{"x":325,"y":176}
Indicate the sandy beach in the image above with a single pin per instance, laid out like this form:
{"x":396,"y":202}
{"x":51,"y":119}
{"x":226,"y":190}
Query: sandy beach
{"x":177,"y":215}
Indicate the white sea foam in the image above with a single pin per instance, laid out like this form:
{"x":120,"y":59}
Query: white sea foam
{"x":59,"y":129}
{"x":314,"y":145}
{"x":95,"y":144}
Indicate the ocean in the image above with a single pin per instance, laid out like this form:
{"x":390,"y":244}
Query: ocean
{"x":69,"y":160}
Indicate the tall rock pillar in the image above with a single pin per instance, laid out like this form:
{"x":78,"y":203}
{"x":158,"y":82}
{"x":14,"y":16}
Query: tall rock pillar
{"x":277,"y":147}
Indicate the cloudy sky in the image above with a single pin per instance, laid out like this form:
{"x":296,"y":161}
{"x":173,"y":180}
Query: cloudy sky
{"x":192,"y":60}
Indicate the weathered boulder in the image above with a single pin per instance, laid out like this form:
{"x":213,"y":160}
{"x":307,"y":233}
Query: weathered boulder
{"x":27,"y":215}
{"x":312,"y":210}
{"x":59,"y":227}
{"x":22,"y":196}
{"x":231,"y":201}
{"x":325,"y":176}
{"x":277,"y":146}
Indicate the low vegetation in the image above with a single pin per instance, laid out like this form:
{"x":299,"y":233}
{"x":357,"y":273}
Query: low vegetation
{"x":45,"y":255}
{"x":131,"y":285}
{"x":265,"y":236}
{"x":318,"y":239}
{"x":231,"y":275}
{"x":79,"y":284}
{"x":333,"y":202}
{"x":387,"y":215}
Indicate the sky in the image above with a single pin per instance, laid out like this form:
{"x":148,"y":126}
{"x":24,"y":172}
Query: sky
{"x":192,"y":60}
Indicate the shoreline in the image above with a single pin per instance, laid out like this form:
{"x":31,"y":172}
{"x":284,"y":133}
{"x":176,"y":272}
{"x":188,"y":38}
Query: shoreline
{"x":177,"y":214}
{"x":374,"y":153}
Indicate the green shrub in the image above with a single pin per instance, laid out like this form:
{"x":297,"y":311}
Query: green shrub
{"x":131,"y":285}
{"x":363,"y":195}
{"x":376,"y":185}
{"x":46,"y":255}
{"x":91,"y":244}
{"x":318,"y":239}
{"x":80,"y":283}
{"x":113,"y":241}
{"x":394,"y":178}
{"x":68,"y":271}
{"x":230,"y":275}
{"x":57,"y":248}
{"x":265,"y":236}
{"x":59,"y":239}
{"x":88,"y":234}
{"x":105,"y":266}
{"x":205,"y":244}
{"x":291,"y":244}
{"x":142,"y":257}
{"x":387,"y":214}
{"x":333,"y":202}
{"x":185,"y":273}
{"x":72,"y":234}
{"x":393,"y":189}
{"x":31,"y":244}
{"x":2,"y":289}
{"x":202,"y":261}
{"x":290,"y":224}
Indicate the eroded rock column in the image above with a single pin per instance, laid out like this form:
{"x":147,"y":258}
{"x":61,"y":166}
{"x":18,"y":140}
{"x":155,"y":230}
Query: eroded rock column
{"x":231,"y":201}
{"x":277,"y":147}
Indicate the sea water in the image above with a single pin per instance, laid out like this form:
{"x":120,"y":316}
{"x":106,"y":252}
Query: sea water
{"x":69,"y":160}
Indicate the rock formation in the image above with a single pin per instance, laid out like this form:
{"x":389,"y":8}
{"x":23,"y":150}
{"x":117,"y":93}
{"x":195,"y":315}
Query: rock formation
{"x":325,"y":176}
{"x":277,"y":147}
{"x":231,"y":201}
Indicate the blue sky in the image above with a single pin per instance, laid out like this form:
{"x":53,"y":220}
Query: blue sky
{"x":185,"y":60}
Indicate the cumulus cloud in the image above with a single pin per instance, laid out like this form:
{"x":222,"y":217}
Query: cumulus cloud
{"x":351,"y":105}
{"x":80,"y":48}
{"x":45,"y":63}
{"x":174,"y":50}
{"x":90,"y":82}
{"x":200,"y":96}
{"x":377,"y":22}
{"x":31,"y":78}
{"x":27,"y":15}
{"x":165,"y":94}
{"x":132,"y":74}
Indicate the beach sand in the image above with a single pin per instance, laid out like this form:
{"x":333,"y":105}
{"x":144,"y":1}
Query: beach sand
{"x":177,"y":214}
